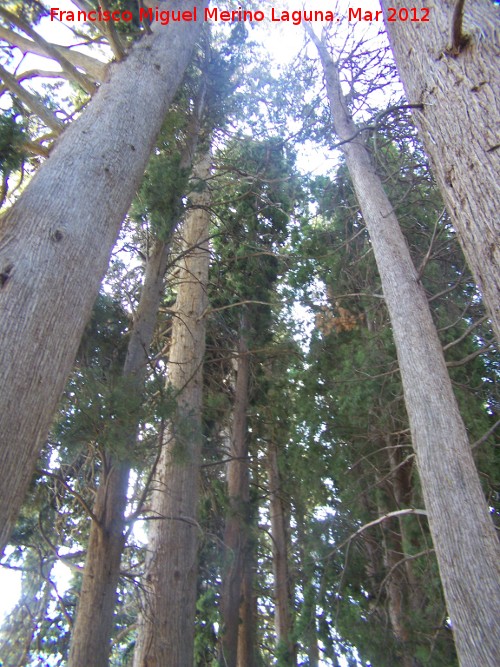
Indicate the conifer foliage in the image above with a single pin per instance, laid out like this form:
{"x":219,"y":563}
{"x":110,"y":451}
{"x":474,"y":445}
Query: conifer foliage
{"x":240,"y":471}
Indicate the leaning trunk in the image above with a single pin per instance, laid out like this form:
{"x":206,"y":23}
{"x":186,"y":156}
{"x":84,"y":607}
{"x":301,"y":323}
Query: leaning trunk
{"x":238,"y":488}
{"x":462,"y":530}
{"x":450,"y":66}
{"x":56,"y":240}
{"x":166,"y":624}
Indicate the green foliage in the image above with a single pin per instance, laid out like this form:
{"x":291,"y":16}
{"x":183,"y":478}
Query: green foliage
{"x":12,"y":138}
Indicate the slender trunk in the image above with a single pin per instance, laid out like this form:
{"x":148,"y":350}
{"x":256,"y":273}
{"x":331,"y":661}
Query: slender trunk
{"x":166,"y":623}
{"x":90,"y":638}
{"x":463,"y":533}
{"x":238,"y":487}
{"x":309,"y":588}
{"x":20,"y":628}
{"x":455,"y":74}
{"x":282,"y":584}
{"x":55,"y":243}
{"x":401,"y":479}
{"x":247,"y":632}
{"x":395,"y":583}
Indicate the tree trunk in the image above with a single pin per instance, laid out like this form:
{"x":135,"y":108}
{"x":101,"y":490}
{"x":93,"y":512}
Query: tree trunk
{"x":464,"y":537}
{"x":56,"y":240}
{"x":457,"y":80}
{"x":238,"y":488}
{"x":248,"y":614}
{"x":90,"y":638}
{"x":166,"y":623}
{"x":396,"y":585}
{"x":282,"y":595}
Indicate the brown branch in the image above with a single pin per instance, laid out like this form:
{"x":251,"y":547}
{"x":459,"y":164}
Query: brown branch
{"x":36,"y":149}
{"x":465,"y":333}
{"x":429,"y":250}
{"x":485,"y":437}
{"x":53,"y":548}
{"x":471,"y":356}
{"x":109,"y":31}
{"x":74,"y":493}
{"x":209,"y":311}
{"x":458,"y":40}
{"x":400,"y":562}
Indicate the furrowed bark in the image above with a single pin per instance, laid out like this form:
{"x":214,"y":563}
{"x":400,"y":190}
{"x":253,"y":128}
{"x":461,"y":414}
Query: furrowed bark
{"x":166,"y":623}
{"x":238,"y":487}
{"x":451,"y":66}
{"x":464,"y":536}
{"x":56,"y":240}
{"x":90,"y":639}
{"x":283,"y":618}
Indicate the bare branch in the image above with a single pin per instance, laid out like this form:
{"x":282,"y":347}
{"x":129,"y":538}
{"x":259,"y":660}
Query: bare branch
{"x":94,"y":68}
{"x":458,"y":40}
{"x":485,"y":437}
{"x":466,"y":333}
{"x":389,"y":515}
{"x":50,"y":50}
{"x":33,"y":102}
{"x":471,"y":356}
{"x":74,"y":493}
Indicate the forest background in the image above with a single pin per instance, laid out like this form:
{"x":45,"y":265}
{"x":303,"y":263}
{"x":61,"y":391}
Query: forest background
{"x":241,"y":435}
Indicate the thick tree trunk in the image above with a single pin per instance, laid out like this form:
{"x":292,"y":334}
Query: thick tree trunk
{"x":463,"y":533}
{"x":457,"y":80}
{"x":283,"y":617}
{"x":238,"y":488}
{"x":56,"y":240}
{"x":90,"y":638}
{"x":166,"y":623}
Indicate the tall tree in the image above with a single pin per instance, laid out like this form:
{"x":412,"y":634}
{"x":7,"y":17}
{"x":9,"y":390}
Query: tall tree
{"x":93,"y":624}
{"x":457,"y":511}
{"x":56,"y":240}
{"x":166,"y":624}
{"x":447,"y":56}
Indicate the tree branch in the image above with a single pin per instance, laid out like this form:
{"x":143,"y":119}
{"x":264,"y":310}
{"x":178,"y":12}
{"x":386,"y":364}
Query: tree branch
{"x":94,"y":68}
{"x":74,"y":493}
{"x":458,"y":40}
{"x":389,"y":515}
{"x":471,"y":356}
{"x":465,"y":333}
{"x":50,"y":50}
{"x":33,"y":102}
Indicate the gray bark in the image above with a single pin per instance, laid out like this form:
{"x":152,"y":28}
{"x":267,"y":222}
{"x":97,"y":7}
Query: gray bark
{"x":459,"y":124}
{"x":464,"y":537}
{"x":166,"y":623}
{"x":56,"y":240}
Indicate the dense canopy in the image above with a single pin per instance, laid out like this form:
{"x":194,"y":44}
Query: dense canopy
{"x":249,"y":334}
